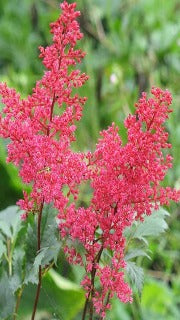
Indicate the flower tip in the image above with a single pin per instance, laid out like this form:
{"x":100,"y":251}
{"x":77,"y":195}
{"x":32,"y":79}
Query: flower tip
{"x":65,"y":5}
{"x":23,"y":216}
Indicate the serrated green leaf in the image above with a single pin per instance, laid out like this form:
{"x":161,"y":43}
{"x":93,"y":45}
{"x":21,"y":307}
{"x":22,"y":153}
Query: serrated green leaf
{"x":18,"y":265}
{"x":50,"y":235}
{"x":32,"y":276}
{"x":7,"y":300}
{"x":43,"y":258}
{"x":134,"y":253}
{"x":51,"y":254}
{"x":153,"y":225}
{"x":49,"y":230}
{"x":31,"y":250}
{"x":136,"y":275}
{"x":50,"y":243}
{"x":39,"y":257}
{"x":10,"y":222}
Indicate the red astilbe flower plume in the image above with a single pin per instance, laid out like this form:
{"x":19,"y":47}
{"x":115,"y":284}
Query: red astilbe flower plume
{"x":126,"y":185}
{"x":40,"y":136}
{"x":125,"y":179}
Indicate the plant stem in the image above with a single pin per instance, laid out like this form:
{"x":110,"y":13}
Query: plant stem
{"x":40,"y":273}
{"x":85,"y":307}
{"x":107,"y":301}
{"x":9,"y":256}
{"x":18,"y":303}
{"x":91,"y":293}
{"x":93,"y":274}
{"x":91,"y":309}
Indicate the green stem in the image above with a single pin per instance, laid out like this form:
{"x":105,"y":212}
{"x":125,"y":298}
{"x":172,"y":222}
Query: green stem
{"x":18,"y":303}
{"x":9,"y":256}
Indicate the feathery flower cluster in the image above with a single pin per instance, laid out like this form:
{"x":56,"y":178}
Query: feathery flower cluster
{"x":125,"y":179}
{"x":41,"y":127}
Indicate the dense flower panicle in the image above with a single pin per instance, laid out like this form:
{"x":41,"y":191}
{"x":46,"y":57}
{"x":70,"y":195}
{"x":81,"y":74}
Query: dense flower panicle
{"x":40,"y":139}
{"x":125,"y":179}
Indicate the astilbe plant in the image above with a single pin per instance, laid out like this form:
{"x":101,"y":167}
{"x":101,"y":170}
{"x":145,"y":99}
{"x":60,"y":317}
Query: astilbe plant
{"x":125,"y":179}
{"x":41,"y":127}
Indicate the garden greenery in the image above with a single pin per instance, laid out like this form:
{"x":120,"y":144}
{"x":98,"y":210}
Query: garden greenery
{"x":124,"y":179}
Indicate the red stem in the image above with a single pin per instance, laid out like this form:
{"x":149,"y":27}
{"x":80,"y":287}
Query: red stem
{"x":40,"y":273}
{"x":91,"y":293}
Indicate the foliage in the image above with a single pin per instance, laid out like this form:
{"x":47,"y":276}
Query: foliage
{"x":19,"y":264}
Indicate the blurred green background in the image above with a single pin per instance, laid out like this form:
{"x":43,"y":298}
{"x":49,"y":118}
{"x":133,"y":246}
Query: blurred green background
{"x":131,"y":45}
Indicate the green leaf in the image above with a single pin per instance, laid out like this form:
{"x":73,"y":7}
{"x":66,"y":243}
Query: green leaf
{"x":10,"y":221}
{"x":31,"y":250}
{"x":62,"y":282}
{"x":48,"y":225}
{"x":136,"y":275}
{"x":50,"y":235}
{"x":5,"y":229}
{"x":50,"y":244}
{"x":153,"y":225}
{"x":42,"y":258}
{"x":32,"y":275}
{"x":7,"y":300}
{"x":59,"y":298}
{"x":134,"y":253}
{"x":158,"y":301}
{"x":50,"y":253}
{"x":18,"y":265}
{"x":2,"y":247}
{"x":119,"y":311}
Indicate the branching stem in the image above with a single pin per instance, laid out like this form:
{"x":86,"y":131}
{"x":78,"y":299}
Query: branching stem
{"x":91,"y":293}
